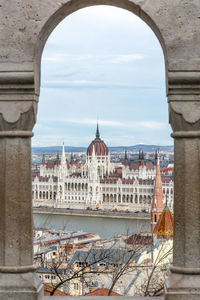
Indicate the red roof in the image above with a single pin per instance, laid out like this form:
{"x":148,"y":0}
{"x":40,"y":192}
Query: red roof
{"x":117,"y":175}
{"x":145,"y":181}
{"x":99,"y":146}
{"x":102,"y":292}
{"x":134,"y":165}
{"x":166,"y":179}
{"x":126,"y":181}
{"x":139,"y":239}
{"x":164,"y":226}
{"x":109,"y":180}
{"x":170,"y":169}
{"x":44,"y":178}
{"x":48,"y":289}
{"x":118,"y":170}
{"x":51,"y":164}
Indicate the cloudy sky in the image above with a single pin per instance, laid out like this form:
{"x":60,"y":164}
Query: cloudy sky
{"x":102,"y":63}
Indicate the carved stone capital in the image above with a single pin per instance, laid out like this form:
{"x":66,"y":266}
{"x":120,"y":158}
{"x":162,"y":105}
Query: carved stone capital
{"x":17,"y":115}
{"x":18,"y":100}
{"x":184,"y":116}
{"x":184,"y":101}
{"x":190,"y":111}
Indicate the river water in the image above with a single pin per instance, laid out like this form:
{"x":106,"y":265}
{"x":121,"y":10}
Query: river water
{"x":106,"y":227}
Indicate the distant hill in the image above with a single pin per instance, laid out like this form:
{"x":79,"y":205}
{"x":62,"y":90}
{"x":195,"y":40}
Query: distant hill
{"x":54,"y":149}
{"x":145,"y":148}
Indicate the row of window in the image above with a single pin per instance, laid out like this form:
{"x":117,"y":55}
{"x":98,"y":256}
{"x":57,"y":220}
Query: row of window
{"x":52,"y":277}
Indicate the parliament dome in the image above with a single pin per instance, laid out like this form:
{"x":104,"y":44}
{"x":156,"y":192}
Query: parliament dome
{"x":99,"y":146}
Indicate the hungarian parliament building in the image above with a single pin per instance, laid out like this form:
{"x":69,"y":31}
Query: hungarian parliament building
{"x":99,"y":183}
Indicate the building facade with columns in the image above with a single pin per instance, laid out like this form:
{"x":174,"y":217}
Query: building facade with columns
{"x":99,"y":183}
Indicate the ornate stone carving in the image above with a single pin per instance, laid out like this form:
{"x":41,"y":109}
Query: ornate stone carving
{"x":17,"y":115}
{"x":184,"y":100}
{"x":184,"y":116}
{"x":189,"y":110}
{"x":18,"y":100}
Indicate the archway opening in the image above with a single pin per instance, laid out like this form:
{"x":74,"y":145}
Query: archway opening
{"x":98,"y":70}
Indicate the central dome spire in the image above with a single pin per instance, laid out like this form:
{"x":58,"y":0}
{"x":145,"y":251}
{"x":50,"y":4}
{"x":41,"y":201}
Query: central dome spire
{"x":99,"y":146}
{"x":97,"y":132}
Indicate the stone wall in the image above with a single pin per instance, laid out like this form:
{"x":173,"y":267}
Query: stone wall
{"x":25,"y":27}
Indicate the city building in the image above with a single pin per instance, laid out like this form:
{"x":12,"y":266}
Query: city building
{"x":99,"y":183}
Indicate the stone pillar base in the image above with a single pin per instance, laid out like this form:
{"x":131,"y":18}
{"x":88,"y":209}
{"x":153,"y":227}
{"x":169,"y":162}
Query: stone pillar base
{"x":20,"y":286}
{"x":182,"y":287}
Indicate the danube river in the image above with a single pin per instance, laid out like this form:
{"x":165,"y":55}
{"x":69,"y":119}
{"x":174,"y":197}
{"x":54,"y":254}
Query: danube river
{"x":106,"y":225}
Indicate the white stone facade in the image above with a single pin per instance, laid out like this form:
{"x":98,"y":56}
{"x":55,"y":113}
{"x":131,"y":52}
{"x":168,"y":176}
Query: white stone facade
{"x":97,"y":184}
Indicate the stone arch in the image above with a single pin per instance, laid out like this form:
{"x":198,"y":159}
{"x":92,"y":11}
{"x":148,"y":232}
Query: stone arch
{"x":119,"y":198}
{"x":104,"y":197}
{"x":115,"y":198}
{"x":111,"y":198}
{"x":136,"y":199}
{"x":68,"y":7}
{"x":176,"y":25}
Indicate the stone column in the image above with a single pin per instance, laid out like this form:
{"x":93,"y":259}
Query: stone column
{"x":184,"y":105}
{"x":18,"y":106}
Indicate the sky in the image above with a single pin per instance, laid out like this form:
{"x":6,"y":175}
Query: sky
{"x":102,"y":63}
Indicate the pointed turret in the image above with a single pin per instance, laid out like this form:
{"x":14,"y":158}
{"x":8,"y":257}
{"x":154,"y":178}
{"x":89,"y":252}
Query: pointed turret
{"x":71,"y":158}
{"x":140,"y":154}
{"x":43,"y":159}
{"x":141,"y":157}
{"x":164,"y":227}
{"x":158,"y":201}
{"x":57,"y":158}
{"x":125,"y":159}
{"x":156,"y":155}
{"x":57,"y":155}
{"x":97,"y":132}
{"x":63,"y":158}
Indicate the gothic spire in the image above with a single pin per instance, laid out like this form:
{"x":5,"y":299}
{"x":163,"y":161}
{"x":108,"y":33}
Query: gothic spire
{"x":57,"y":156}
{"x":97,"y":132}
{"x":156,"y":155}
{"x":43,"y":159}
{"x":142,"y":155}
{"x":125,"y":157}
{"x":63,"y":159}
{"x":157,"y":203}
{"x":139,"y":154}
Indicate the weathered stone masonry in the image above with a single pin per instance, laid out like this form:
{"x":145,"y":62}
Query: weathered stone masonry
{"x":25,"y":26}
